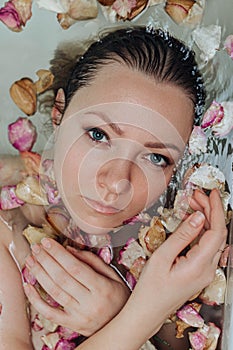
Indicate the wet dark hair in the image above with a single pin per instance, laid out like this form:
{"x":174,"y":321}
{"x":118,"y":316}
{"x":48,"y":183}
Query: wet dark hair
{"x":154,"y":52}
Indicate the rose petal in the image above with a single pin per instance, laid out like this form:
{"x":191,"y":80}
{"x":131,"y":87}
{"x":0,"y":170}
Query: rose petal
{"x":226,"y":124}
{"x":106,"y":254}
{"x":22,"y":134}
{"x":9,"y":199}
{"x":208,"y":40}
{"x":214,"y":293}
{"x":10,"y":17}
{"x":228,"y":45}
{"x":190,"y":316}
{"x":130,"y":252}
{"x":67,"y":333}
{"x":197,"y":141}
{"x":197,"y":340}
{"x":28,"y":277}
{"x":213,"y":115}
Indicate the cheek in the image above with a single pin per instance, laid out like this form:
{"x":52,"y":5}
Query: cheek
{"x":156,"y":185}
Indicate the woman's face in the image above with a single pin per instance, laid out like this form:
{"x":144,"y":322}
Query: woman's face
{"x":117,"y":146}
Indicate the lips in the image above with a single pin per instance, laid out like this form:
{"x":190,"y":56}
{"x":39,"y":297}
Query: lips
{"x":100,"y":207}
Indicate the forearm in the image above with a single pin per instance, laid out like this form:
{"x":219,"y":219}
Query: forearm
{"x":7,"y":341}
{"x":129,"y":330}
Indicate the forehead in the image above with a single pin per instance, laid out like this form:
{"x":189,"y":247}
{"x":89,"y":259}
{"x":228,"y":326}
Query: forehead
{"x":118,"y":83}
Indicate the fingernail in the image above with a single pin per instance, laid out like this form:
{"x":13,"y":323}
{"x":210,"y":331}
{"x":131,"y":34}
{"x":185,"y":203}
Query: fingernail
{"x":35,"y":248}
{"x":46,"y":243}
{"x":197,"y":219}
{"x":30,"y":261}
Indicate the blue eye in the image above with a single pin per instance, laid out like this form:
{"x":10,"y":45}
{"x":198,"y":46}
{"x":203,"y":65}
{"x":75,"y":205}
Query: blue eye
{"x":98,"y":135}
{"x":158,"y":159}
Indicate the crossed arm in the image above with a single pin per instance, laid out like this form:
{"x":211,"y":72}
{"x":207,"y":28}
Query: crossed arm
{"x":166,"y":282}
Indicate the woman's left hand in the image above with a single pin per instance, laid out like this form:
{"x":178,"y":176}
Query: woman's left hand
{"x":90,"y":292}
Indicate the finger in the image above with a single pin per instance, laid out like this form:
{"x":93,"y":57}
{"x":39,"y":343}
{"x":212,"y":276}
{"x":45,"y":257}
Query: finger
{"x":182,"y":237}
{"x":217,"y":218}
{"x":74,"y":267}
{"x":49,"y":312}
{"x":55,"y":290}
{"x":95,"y":262}
{"x":204,"y":201}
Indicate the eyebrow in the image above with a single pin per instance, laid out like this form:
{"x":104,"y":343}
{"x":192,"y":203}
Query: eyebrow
{"x":162,"y":145}
{"x":120,"y":132}
{"x":105,"y":118}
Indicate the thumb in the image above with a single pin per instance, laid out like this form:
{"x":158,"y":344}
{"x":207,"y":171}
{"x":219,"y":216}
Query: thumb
{"x":183,"y":236}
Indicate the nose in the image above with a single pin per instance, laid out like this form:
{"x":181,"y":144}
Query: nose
{"x":114,"y":178}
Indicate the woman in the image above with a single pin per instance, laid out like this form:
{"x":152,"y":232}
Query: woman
{"x":125,"y":117}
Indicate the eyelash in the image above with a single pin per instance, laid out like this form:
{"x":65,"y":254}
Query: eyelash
{"x":89,"y":132}
{"x":165,"y":159}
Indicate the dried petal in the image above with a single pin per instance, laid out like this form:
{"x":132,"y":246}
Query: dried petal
{"x":50,"y":339}
{"x":181,"y":326}
{"x":141,"y":217}
{"x":178,"y":10}
{"x":35,"y":234}
{"x":214,"y":293}
{"x":23,"y":7}
{"x":31,"y":162}
{"x":213,"y":115}
{"x":197,"y":340}
{"x":212,"y":337}
{"x":48,"y":325}
{"x":82,"y":9}
{"x":106,"y":2}
{"x":137,"y":267}
{"x":58,"y":218}
{"x":52,"y":5}
{"x":226,"y":124}
{"x":64,"y":344}
{"x":205,"y":176}
{"x":30,"y":191}
{"x":152,"y":237}
{"x":65,"y":20}
{"x":189,"y":315}
{"x":197,"y":141}
{"x":67,"y":333}
{"x":124,"y":7}
{"x":130,"y":252}
{"x":23,"y":93}
{"x":208,"y":40}
{"x":228,"y":45}
{"x":9,"y":199}
{"x":131,"y":280}
{"x":22,"y":134}
{"x":106,"y":254}
{"x":10,"y":17}
{"x":196,"y":13}
{"x":45,"y":80}
{"x":36,"y":324}
{"x":28,"y":277}
{"x":98,"y":241}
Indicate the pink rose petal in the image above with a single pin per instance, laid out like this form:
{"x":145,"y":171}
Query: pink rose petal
{"x":213,"y":115}
{"x":22,"y":134}
{"x":28,"y":276}
{"x":8,"y":198}
{"x":190,"y":316}
{"x":197,"y":340}
{"x":10,"y":17}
